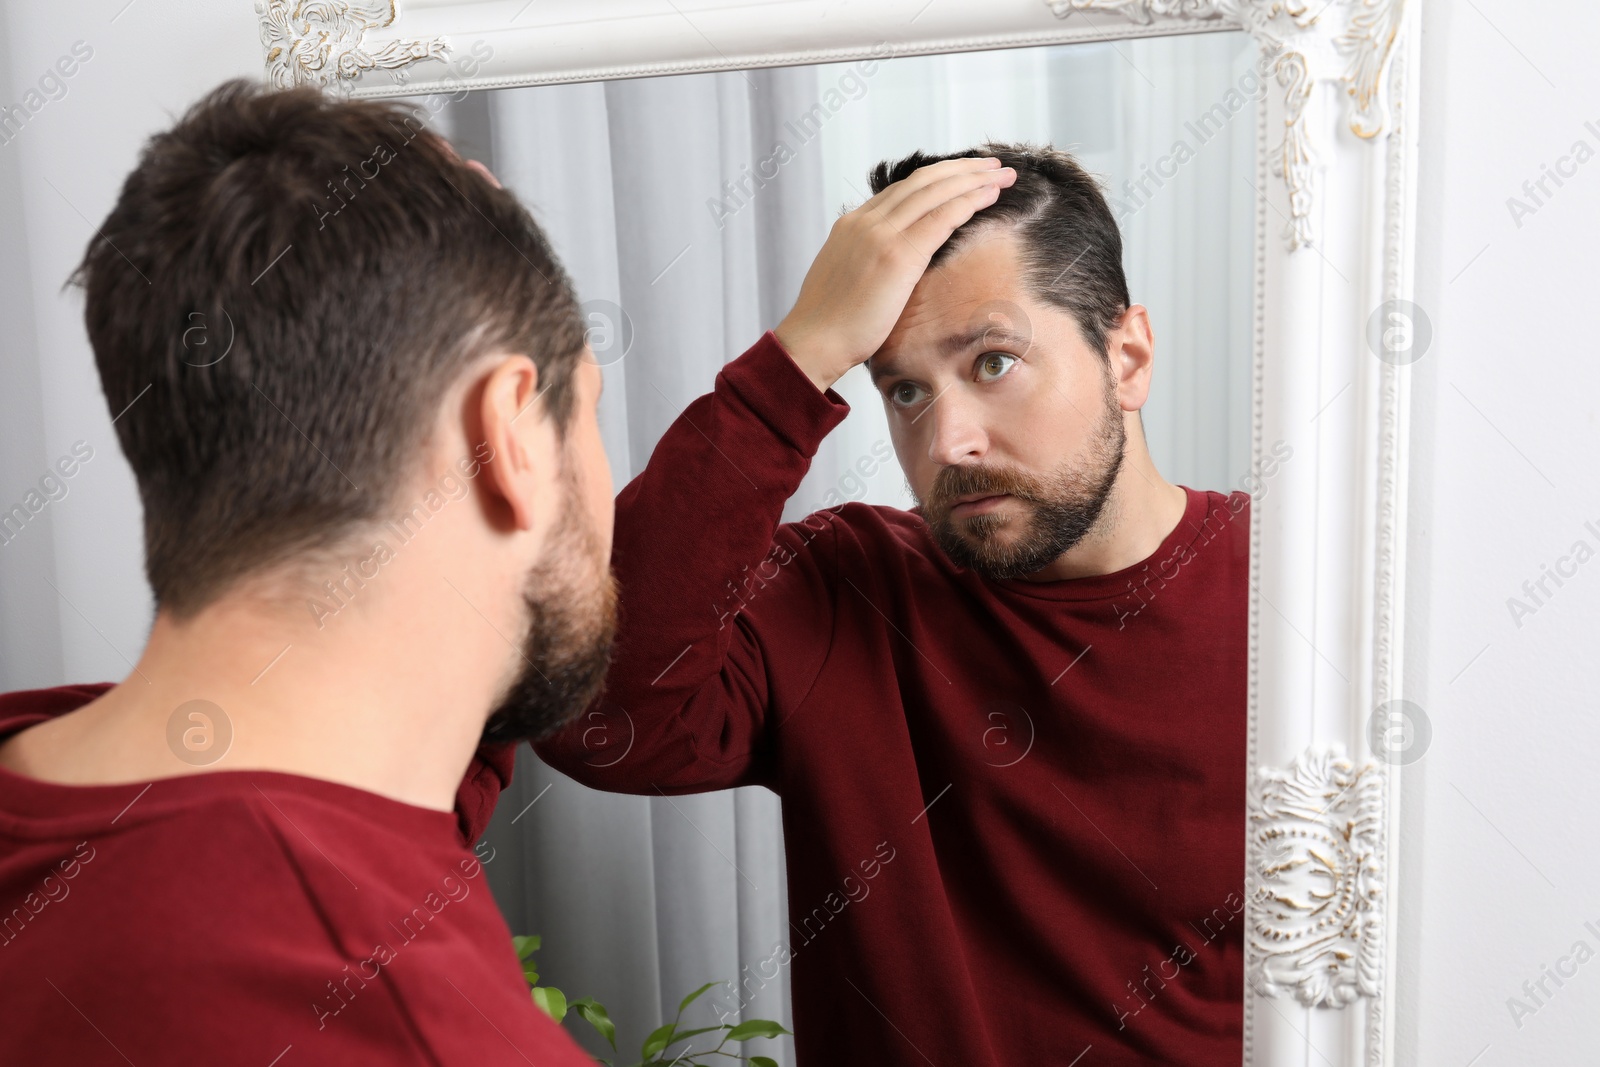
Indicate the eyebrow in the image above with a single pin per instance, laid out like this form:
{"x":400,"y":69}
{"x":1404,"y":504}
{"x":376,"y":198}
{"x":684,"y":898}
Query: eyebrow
{"x":957,"y":343}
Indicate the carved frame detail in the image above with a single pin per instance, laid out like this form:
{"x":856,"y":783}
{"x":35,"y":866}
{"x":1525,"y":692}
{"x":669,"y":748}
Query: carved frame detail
{"x":1299,"y":37}
{"x":322,"y":42}
{"x":1316,"y":831}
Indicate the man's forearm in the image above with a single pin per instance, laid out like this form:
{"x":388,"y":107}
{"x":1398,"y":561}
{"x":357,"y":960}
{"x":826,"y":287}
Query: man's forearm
{"x":700,"y":515}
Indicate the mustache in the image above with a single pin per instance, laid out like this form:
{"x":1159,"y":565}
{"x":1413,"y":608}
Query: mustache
{"x":953,"y":482}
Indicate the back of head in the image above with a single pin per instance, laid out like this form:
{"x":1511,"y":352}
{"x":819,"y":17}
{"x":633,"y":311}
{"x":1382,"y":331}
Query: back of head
{"x":285,"y":289}
{"x":1071,"y":245}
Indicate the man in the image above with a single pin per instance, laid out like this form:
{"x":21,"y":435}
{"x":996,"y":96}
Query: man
{"x":351,"y":380}
{"x":1008,"y":725}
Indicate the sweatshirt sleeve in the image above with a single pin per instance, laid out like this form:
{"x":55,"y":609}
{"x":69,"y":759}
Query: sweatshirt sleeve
{"x":725,"y":614}
{"x":487,"y":777}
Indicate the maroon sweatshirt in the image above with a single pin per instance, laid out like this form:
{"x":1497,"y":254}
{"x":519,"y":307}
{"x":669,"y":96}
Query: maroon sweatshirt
{"x":1014,"y":812}
{"x":253,"y":917}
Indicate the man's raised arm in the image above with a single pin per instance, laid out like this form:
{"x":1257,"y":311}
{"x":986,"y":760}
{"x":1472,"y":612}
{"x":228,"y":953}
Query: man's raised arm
{"x":725,"y":614}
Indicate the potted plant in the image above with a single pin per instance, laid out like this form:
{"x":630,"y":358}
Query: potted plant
{"x":654,"y":1051}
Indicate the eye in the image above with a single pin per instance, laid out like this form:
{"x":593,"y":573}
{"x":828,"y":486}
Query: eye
{"x":899,"y":396}
{"x":987,"y":361}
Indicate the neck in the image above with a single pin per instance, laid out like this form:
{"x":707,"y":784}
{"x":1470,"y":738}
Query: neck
{"x":1141,"y":510}
{"x":384,"y":696}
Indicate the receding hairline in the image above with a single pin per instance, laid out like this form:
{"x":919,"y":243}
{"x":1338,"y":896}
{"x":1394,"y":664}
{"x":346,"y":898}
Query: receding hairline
{"x":961,"y":242}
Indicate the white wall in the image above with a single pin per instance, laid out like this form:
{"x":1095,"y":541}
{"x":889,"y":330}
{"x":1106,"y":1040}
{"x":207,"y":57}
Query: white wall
{"x":1501,"y":813}
{"x":30,"y":640}
{"x":150,"y":59}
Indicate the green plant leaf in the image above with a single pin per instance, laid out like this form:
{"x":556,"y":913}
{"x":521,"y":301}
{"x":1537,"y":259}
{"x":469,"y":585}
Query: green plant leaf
{"x":691,"y":997}
{"x":530,"y":974}
{"x":552,"y":1002}
{"x":755,"y":1028}
{"x":594,"y":1013}
{"x":763,"y":1061}
{"x":659,"y":1039}
{"x":685,"y":1034}
{"x":525,"y":946}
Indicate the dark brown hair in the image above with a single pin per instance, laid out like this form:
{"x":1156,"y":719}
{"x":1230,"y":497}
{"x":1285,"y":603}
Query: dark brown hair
{"x":283,"y":292}
{"x":1071,"y":245}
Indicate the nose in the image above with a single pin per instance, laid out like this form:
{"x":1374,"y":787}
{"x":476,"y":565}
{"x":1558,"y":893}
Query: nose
{"x":957,"y":432}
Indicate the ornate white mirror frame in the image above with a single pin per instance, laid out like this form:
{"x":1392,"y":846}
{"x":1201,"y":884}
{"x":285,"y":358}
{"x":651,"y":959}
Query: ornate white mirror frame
{"x":1335,"y":333}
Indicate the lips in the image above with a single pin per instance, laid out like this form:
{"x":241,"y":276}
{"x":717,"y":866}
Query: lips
{"x":978,"y":503}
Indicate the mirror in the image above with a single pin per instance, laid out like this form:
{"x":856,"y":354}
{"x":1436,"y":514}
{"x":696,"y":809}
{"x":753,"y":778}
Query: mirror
{"x":688,"y":210}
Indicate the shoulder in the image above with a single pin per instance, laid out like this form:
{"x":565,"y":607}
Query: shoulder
{"x":1223,"y":516}
{"x":486,"y":776}
{"x":267,"y":918}
{"x":1237,"y":502}
{"x":23,"y":708}
{"x":1216,"y":506}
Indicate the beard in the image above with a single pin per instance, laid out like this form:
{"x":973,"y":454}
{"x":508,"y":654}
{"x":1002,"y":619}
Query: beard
{"x":571,"y":602}
{"x":1060,"y":510}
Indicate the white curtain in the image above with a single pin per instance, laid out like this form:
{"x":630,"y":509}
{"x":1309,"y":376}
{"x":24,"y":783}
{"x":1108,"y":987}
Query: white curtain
{"x":642,"y":899}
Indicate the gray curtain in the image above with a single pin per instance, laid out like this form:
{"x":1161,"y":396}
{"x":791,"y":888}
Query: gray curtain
{"x":643,"y":899}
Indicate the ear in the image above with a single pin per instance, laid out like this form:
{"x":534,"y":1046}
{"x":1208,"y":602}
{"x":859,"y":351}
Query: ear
{"x":518,"y":437}
{"x":1133,"y":353}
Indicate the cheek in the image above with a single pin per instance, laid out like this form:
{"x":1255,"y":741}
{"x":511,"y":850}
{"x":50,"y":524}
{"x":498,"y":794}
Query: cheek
{"x":598,"y":475}
{"x":1049,"y":425}
{"x":906,"y":451}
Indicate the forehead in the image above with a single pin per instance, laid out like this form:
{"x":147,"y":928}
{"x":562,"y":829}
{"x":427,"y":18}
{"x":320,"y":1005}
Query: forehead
{"x":979,"y":288}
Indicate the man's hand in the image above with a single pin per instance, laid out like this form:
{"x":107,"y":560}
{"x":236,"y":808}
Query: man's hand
{"x":874,"y":256}
{"x":472,"y":164}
